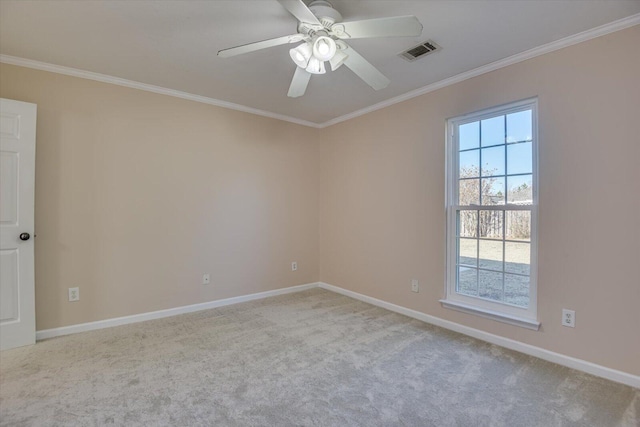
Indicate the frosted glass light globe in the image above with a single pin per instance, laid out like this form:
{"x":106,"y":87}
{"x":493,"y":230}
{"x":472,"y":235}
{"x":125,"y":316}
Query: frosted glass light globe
{"x":301,"y":55}
{"x":324,"y":48}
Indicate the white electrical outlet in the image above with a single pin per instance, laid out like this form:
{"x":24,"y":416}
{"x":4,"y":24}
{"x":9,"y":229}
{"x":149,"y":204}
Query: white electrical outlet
{"x":568,"y":318}
{"x":74,"y":294}
{"x":206,"y":278}
{"x":415,"y":285}
{"x":294,"y":266}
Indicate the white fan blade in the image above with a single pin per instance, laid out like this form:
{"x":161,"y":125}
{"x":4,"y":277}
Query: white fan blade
{"x":246,"y":48}
{"x":299,"y":83}
{"x":300,"y":10}
{"x":363,"y":69}
{"x":398,"y":26}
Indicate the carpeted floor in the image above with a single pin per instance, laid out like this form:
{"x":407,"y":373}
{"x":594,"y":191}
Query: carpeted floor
{"x":309,"y":358}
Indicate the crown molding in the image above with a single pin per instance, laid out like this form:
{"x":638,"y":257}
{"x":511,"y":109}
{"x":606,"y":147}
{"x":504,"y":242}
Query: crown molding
{"x":602,"y":30}
{"x":104,"y":78}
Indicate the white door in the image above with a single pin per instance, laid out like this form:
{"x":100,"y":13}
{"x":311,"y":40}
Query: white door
{"x":17,"y":173}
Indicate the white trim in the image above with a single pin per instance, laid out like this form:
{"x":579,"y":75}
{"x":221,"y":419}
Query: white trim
{"x":490,"y":314}
{"x":90,"y":75}
{"x":519,"y":316}
{"x":560,"y":359}
{"x":602,"y":30}
{"x":135,"y":318}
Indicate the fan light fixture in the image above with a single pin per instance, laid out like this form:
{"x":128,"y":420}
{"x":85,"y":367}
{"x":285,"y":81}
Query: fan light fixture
{"x":324,"y":48}
{"x":337,"y":60}
{"x":312,"y":55}
{"x":315,"y":66}
{"x":301,"y":55}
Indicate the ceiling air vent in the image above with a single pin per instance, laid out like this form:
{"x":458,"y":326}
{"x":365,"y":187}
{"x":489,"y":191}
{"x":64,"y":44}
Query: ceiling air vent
{"x":420,"y":51}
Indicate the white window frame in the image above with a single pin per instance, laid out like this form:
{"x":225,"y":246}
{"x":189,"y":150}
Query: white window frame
{"x":507,"y":313}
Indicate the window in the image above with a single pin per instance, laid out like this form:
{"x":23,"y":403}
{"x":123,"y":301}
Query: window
{"x":491,"y":213}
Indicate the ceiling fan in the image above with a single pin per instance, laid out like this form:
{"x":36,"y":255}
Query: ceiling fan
{"x":322,"y":32}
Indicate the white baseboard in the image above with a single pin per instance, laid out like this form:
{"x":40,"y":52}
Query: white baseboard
{"x":107,"y":323}
{"x":560,"y":359}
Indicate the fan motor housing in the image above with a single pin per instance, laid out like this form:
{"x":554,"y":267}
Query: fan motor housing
{"x":325,"y":12}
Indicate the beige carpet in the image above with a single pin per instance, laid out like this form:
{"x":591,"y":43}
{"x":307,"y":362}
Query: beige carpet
{"x":310,"y":358}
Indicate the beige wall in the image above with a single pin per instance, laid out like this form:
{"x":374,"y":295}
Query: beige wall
{"x":382,"y":198}
{"x":139,"y":194}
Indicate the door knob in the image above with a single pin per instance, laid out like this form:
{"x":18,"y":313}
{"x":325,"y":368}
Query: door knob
{"x":25,"y":236}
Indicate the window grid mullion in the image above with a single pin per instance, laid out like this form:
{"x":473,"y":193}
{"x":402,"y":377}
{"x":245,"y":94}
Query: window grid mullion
{"x":467,"y":178}
{"x":504,"y":213}
{"x":494,"y":207}
{"x":494,"y":240}
{"x":478,"y":252}
{"x":496,"y":271}
{"x":479,"y":170}
{"x":496,"y":145}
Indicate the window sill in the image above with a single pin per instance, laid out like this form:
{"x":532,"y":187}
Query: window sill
{"x":490,"y":314}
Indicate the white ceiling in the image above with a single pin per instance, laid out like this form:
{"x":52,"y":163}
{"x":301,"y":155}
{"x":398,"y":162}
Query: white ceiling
{"x":173,"y":44}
